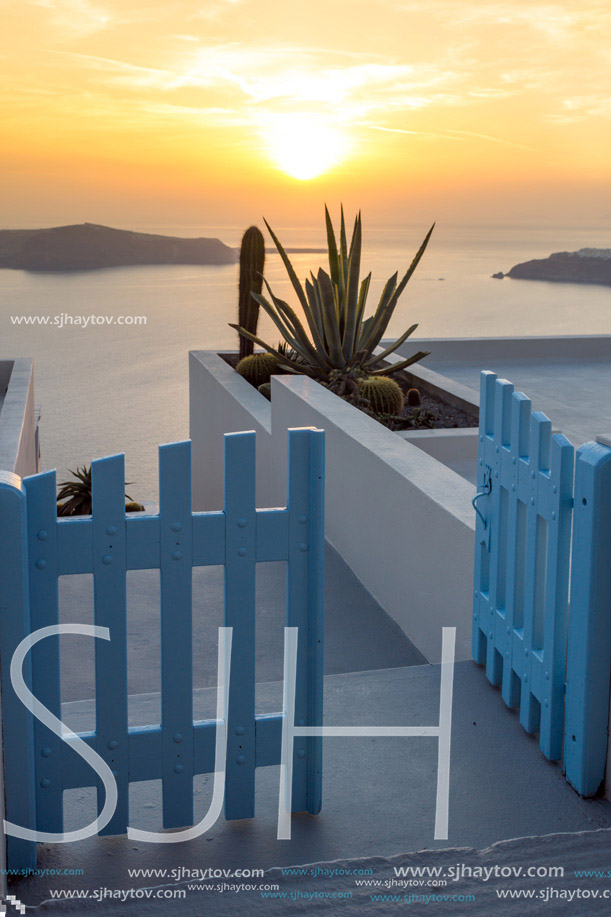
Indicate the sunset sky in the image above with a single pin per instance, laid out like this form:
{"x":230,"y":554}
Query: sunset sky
{"x":170,"y":112}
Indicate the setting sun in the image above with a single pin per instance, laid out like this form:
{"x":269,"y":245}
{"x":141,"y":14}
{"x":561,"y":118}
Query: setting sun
{"x":303,"y":146}
{"x":232,"y":108}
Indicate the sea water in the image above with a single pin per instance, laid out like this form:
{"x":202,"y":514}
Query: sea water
{"x":124,"y":388}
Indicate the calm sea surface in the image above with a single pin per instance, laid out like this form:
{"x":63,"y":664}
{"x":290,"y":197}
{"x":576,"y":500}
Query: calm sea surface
{"x":115,"y":388}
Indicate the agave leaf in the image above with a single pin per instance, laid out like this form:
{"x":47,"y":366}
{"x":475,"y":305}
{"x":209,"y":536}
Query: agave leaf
{"x":379,"y":327}
{"x":315,"y":309}
{"x":381,"y":324}
{"x":386,"y":353}
{"x":306,"y":369}
{"x":332,"y":246}
{"x":300,"y":332}
{"x":413,"y":265}
{"x":292,"y":322}
{"x":343,"y":238}
{"x":289,"y":313}
{"x":326,"y":335}
{"x":327,"y":298}
{"x":289,"y":267}
{"x":387,"y":370}
{"x":257,"y":340}
{"x":352,"y":291}
{"x":283,"y":322}
{"x":365,"y":326}
{"x":294,"y":343}
{"x":369,"y":332}
{"x":361,"y":307}
{"x":273,"y":314}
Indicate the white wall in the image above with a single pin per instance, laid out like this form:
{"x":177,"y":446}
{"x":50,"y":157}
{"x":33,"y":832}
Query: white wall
{"x":487,"y":350}
{"x":401,"y":519}
{"x":221,"y":401}
{"x":18,"y":441}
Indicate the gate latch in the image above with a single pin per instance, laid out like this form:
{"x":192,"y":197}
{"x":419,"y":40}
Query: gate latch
{"x":486,"y":487}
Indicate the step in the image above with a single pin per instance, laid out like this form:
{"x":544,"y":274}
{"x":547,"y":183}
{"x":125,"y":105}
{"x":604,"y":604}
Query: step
{"x":378,"y":793}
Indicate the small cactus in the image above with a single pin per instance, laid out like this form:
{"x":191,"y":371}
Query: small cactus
{"x":258,"y":368}
{"x":133,"y":507}
{"x":413,"y":398}
{"x":384,"y":395}
{"x":266,"y":390}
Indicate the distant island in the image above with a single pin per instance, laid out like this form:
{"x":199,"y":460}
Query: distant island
{"x":87,"y":246}
{"x":298,"y":251}
{"x":588,"y":265}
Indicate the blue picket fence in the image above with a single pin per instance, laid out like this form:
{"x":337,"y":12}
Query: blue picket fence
{"x":525,"y":558}
{"x":39,"y":765}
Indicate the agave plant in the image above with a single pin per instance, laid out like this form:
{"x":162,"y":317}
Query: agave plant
{"x":340,"y":338}
{"x":77,"y":494}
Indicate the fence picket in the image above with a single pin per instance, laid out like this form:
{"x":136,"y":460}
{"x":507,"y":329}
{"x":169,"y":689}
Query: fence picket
{"x":553,"y":663}
{"x":240,"y":580}
{"x":481,"y":603}
{"x":514,"y":606}
{"x":41,"y":496}
{"x":498,"y":529}
{"x":17,"y":727}
{"x":176,"y":560}
{"x":587,"y":689}
{"x":539,"y":448}
{"x":305,"y":606}
{"x":110,"y":609}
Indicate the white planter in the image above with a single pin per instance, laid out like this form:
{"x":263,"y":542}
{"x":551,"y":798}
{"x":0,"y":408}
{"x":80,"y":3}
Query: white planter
{"x":400,"y":518}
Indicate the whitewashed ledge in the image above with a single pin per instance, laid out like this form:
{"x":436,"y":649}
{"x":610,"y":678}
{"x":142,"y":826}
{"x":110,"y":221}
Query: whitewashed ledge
{"x":568,"y":377}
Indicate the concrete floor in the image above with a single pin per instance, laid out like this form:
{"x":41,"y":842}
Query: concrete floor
{"x":575,"y":394}
{"x":358,"y":633}
{"x":378,"y":794}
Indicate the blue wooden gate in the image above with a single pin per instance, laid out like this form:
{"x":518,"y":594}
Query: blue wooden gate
{"x":37,"y":548}
{"x":525,"y":558}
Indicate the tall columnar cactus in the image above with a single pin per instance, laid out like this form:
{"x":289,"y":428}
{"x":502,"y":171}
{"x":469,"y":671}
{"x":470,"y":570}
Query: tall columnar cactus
{"x":384,"y":395}
{"x":252,"y":262}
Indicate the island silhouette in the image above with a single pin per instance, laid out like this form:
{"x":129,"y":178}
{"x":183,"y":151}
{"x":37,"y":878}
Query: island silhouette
{"x":588,"y":265}
{"x":88,"y":246}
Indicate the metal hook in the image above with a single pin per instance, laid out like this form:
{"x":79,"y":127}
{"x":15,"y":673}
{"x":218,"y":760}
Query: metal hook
{"x":483,"y":493}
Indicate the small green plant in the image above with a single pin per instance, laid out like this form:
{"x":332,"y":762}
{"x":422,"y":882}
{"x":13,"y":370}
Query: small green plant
{"x":266,"y":390}
{"x":252,"y":263}
{"x":339,"y":337}
{"x":384,"y":395}
{"x":413,"y":398}
{"x":345,"y":383}
{"x":257,"y":368}
{"x":421,"y":418}
{"x":78,"y":498}
{"x":77,"y":494}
